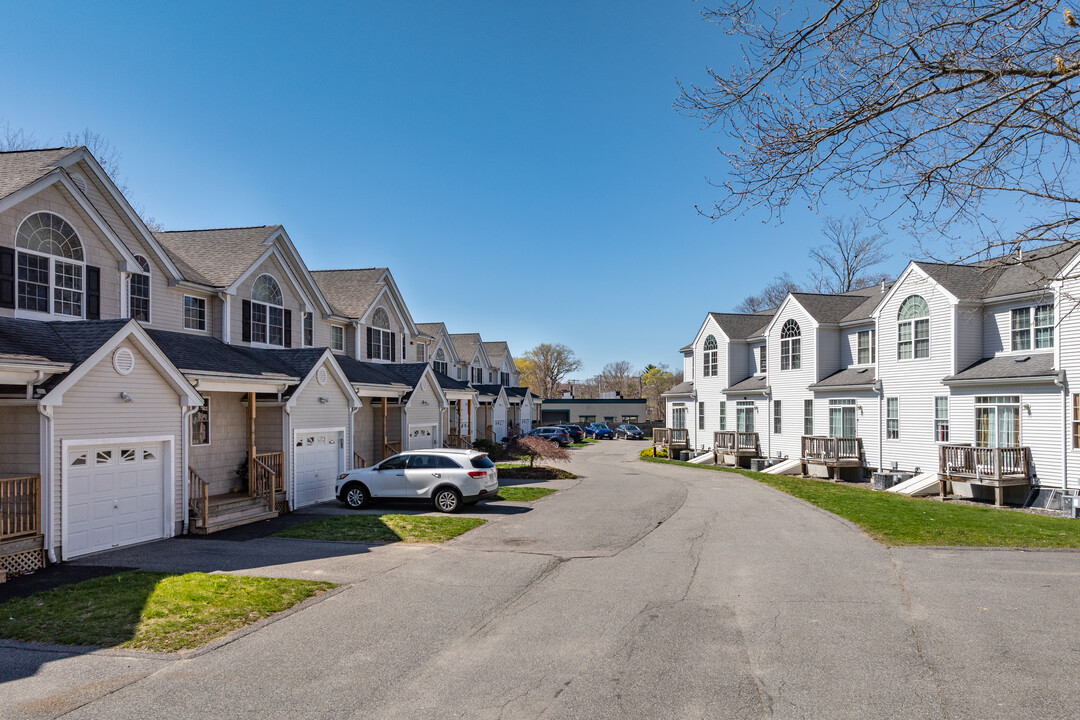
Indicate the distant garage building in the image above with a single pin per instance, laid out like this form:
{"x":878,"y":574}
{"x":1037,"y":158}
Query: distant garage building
{"x":612,"y":411}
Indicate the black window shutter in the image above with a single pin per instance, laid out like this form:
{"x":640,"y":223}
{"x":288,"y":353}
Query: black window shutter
{"x":404,"y":348}
{"x":370,"y":349}
{"x":7,"y":277}
{"x":287,"y":317}
{"x":393,"y":347}
{"x":93,"y":293}
{"x":245,"y":321}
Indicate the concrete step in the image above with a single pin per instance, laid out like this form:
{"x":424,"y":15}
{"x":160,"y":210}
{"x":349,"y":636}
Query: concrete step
{"x":223,"y":522}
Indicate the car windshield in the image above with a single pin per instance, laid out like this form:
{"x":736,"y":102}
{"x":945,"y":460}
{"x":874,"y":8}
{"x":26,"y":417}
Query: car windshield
{"x":632,"y":428}
{"x":395,"y":463}
{"x":482,"y":463}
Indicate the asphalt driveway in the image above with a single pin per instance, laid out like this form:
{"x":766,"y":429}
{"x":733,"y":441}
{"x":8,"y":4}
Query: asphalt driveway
{"x":644,"y":591}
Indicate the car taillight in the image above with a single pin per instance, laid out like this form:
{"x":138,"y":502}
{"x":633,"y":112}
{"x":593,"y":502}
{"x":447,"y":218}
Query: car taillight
{"x":477,"y":473}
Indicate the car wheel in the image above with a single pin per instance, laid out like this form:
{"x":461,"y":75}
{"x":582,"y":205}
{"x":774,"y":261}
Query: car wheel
{"x":447,"y":500}
{"x":356,"y":496}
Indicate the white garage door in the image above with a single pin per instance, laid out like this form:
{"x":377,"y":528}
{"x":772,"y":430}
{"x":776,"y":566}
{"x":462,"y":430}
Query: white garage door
{"x":318,"y":463}
{"x":115,"y":496}
{"x":421,"y":437}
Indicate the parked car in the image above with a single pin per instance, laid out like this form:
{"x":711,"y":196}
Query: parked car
{"x":555,"y":434}
{"x":576,"y":434}
{"x":599,"y":430}
{"x":448,"y":478}
{"x":629,"y":432}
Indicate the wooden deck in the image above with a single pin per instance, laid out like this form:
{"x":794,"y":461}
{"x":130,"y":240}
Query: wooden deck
{"x":832,"y":452}
{"x":993,"y":467}
{"x":671,"y":440}
{"x":737,"y":444}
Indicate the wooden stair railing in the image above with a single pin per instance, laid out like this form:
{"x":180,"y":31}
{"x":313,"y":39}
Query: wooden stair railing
{"x":267,"y":478}
{"x":358,"y":460}
{"x":20,"y":506}
{"x":198,"y":496}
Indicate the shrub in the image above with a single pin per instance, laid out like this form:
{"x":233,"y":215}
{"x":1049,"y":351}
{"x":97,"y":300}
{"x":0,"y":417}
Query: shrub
{"x":648,"y":452}
{"x":486,"y":446}
{"x":537,"y":448}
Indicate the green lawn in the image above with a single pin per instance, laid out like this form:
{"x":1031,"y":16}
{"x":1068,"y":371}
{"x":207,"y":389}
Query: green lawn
{"x":383,"y":528}
{"x":150,"y":611}
{"x":898,"y":520}
{"x":522,"y":471}
{"x":522,"y":494}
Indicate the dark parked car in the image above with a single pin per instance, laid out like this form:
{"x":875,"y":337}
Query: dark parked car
{"x":599,"y":430}
{"x":629,"y":432}
{"x":555,"y":434}
{"x":576,"y":434}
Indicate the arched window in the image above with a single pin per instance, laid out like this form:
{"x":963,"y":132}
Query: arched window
{"x":139,"y":292}
{"x":913,"y":329}
{"x":267,"y":312}
{"x":477,"y":372}
{"x":710,"y":366}
{"x":382,"y":344}
{"x":790,"y":346}
{"x":440,"y":361}
{"x":50,"y":269}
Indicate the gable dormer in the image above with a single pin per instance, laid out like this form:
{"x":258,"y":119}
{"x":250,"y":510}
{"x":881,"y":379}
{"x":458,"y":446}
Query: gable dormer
{"x":381,"y":329}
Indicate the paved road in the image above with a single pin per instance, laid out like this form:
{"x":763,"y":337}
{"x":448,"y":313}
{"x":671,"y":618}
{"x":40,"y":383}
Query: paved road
{"x":644,"y":591}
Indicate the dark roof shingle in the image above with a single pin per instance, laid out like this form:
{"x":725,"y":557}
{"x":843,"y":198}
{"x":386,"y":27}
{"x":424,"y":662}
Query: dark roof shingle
{"x":216,"y":257}
{"x":1008,"y":367}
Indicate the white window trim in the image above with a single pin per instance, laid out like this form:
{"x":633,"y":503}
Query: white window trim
{"x":948,"y":419}
{"x":266,"y":343}
{"x":332,"y":345}
{"x":306,"y":317}
{"x":149,"y":290}
{"x":51,"y":314}
{"x":1032,"y":327}
{"x":206,"y":314}
{"x":872,"y":339}
{"x":887,"y":417}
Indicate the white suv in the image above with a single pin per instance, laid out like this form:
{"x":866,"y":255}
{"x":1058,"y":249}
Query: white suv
{"x":449,"y":478}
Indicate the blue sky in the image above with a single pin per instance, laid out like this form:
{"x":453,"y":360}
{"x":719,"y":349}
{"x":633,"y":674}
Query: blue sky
{"x":518,"y":166}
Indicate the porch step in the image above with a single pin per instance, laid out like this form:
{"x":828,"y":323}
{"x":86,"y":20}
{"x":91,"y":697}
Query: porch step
{"x":231,"y":502}
{"x":223,"y":522}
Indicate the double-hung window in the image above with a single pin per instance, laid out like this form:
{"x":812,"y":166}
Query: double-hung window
{"x":1076,"y":422}
{"x":776,"y":425}
{"x":194,"y":313}
{"x":913,"y":329}
{"x":267,"y":312}
{"x":723,"y":414}
{"x":762,"y":354}
{"x":49,"y":267}
{"x":1026,"y":321}
{"x":790,"y":346}
{"x":892,"y":418}
{"x":337,"y":338}
{"x":808,"y":417}
{"x":440,"y":364}
{"x":381,"y":342}
{"x":941,"y":418}
{"x":701,"y":416}
{"x":866,"y":351}
{"x":309,"y":329}
{"x":709,"y":366}
{"x":139,"y":292}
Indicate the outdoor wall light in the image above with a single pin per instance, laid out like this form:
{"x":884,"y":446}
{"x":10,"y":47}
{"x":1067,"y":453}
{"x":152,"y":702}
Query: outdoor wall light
{"x":1027,"y":407}
{"x":859,"y":408}
{"x":324,"y":400}
{"x":126,"y":397}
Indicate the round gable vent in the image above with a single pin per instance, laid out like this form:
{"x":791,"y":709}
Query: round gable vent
{"x":321,"y":376}
{"x":123,"y":361}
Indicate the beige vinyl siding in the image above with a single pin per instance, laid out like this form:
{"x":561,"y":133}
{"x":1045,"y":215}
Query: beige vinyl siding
{"x":98,"y":250}
{"x":217,"y":462}
{"x":268,"y":428}
{"x":289,"y":296}
{"x":155,"y":411}
{"x":20,"y":433}
{"x":417,"y":413}
{"x":365,"y":426}
{"x":309,"y":413}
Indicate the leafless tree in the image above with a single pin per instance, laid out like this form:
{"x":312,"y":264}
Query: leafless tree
{"x":853,"y":247}
{"x":14,"y":138}
{"x":551,"y":363}
{"x":618,"y":377}
{"x":770,"y":296}
{"x":956,"y":118}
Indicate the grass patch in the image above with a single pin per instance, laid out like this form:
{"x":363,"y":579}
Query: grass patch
{"x":522,"y":494}
{"x":162,"y":612}
{"x":383,"y":528}
{"x":519,"y":471}
{"x":898,"y":520}
{"x":583,"y":443}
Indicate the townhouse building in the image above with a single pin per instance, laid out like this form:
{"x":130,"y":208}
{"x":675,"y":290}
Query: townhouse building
{"x":156,"y":383}
{"x":959,"y":371}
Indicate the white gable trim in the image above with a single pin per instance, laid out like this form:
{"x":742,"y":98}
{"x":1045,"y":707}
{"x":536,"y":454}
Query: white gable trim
{"x":780,"y":311}
{"x":912,"y":268}
{"x":190,"y":396}
{"x":257,"y":266}
{"x":338,"y":375}
{"x":301,"y":267}
{"x":125,"y":208}
{"x":433,"y":383}
{"x":701,"y":331}
{"x":60,"y":177}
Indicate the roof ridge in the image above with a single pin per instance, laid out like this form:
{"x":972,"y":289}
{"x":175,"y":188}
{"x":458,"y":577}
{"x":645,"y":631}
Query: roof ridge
{"x":219,"y":229}
{"x":36,"y":150}
{"x":849,"y":293}
{"x":329,"y":270}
